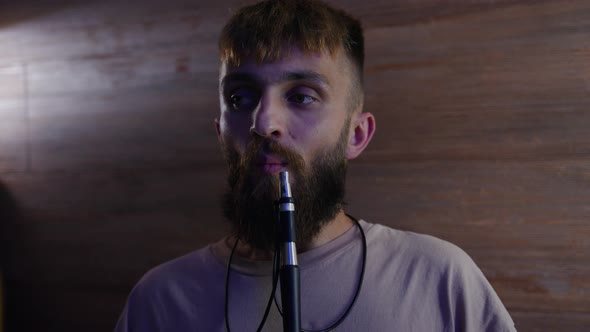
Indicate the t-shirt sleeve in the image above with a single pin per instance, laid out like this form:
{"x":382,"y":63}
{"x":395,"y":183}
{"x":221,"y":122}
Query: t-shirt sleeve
{"x":178,"y":295}
{"x":475,"y":304}
{"x":138,"y":313}
{"x":123,"y":322}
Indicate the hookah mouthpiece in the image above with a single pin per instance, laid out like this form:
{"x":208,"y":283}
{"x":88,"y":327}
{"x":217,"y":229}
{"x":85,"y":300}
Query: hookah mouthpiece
{"x":285,"y":186}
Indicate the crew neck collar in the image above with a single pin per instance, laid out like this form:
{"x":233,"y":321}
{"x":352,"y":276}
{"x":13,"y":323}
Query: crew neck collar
{"x":308,"y":259}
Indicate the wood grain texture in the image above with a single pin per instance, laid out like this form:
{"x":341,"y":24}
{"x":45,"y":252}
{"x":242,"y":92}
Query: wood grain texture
{"x":109,"y":163}
{"x":523,"y":223}
{"x":505,"y":84}
{"x":13,"y":119}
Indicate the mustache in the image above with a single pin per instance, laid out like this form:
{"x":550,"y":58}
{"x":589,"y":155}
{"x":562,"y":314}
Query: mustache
{"x":259,"y":147}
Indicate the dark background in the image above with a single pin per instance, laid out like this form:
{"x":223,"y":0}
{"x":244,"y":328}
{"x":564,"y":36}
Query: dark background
{"x":109,"y":162}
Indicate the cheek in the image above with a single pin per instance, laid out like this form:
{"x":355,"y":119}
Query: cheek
{"x":323,"y":134}
{"x":234,"y":130}
{"x":235,"y":125}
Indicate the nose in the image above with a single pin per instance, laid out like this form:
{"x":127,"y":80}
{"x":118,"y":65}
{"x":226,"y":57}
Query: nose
{"x":268,"y":119}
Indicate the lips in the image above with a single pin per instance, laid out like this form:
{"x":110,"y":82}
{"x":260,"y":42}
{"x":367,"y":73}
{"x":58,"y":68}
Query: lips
{"x":271,"y":165}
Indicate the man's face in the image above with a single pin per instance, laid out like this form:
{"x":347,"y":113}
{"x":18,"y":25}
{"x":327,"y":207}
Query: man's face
{"x":292,"y":114}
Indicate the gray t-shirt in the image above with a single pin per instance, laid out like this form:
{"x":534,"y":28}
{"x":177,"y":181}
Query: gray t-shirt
{"x":412,"y":282}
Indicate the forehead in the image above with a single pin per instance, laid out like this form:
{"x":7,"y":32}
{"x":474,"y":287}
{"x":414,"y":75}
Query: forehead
{"x":325,"y":68}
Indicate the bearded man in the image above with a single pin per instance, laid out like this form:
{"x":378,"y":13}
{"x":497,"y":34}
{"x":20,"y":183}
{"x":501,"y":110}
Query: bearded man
{"x":291,"y":97}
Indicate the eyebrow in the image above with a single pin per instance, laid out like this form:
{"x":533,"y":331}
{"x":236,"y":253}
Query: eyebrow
{"x":302,"y":75}
{"x":241,"y":77}
{"x":305,"y":75}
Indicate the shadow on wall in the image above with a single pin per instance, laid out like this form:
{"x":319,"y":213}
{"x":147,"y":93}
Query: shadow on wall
{"x":16,"y":298}
{"x":9,"y":217}
{"x":9,"y":221}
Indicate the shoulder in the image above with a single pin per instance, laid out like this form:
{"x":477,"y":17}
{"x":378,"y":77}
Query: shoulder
{"x":426,"y":249}
{"x":194,"y":268}
{"x":436,"y":266}
{"x":167,"y":295}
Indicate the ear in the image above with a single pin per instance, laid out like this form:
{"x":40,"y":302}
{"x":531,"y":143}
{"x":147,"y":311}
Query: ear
{"x":362,"y":128}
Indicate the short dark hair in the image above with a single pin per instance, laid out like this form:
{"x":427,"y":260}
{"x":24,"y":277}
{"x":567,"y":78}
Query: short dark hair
{"x":262,"y":30}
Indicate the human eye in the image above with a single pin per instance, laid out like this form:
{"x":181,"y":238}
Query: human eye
{"x":303,"y":98}
{"x":243,"y":99}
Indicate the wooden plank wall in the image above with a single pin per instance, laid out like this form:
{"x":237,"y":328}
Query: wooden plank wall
{"x":109,"y":162}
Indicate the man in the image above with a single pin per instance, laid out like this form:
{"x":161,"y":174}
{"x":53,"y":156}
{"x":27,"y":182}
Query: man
{"x":291,"y":99}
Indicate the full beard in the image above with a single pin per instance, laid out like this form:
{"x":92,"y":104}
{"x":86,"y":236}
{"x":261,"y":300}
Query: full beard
{"x":250,"y":201}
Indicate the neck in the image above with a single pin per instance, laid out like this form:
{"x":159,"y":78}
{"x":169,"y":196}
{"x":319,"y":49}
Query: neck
{"x":330,"y":231}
